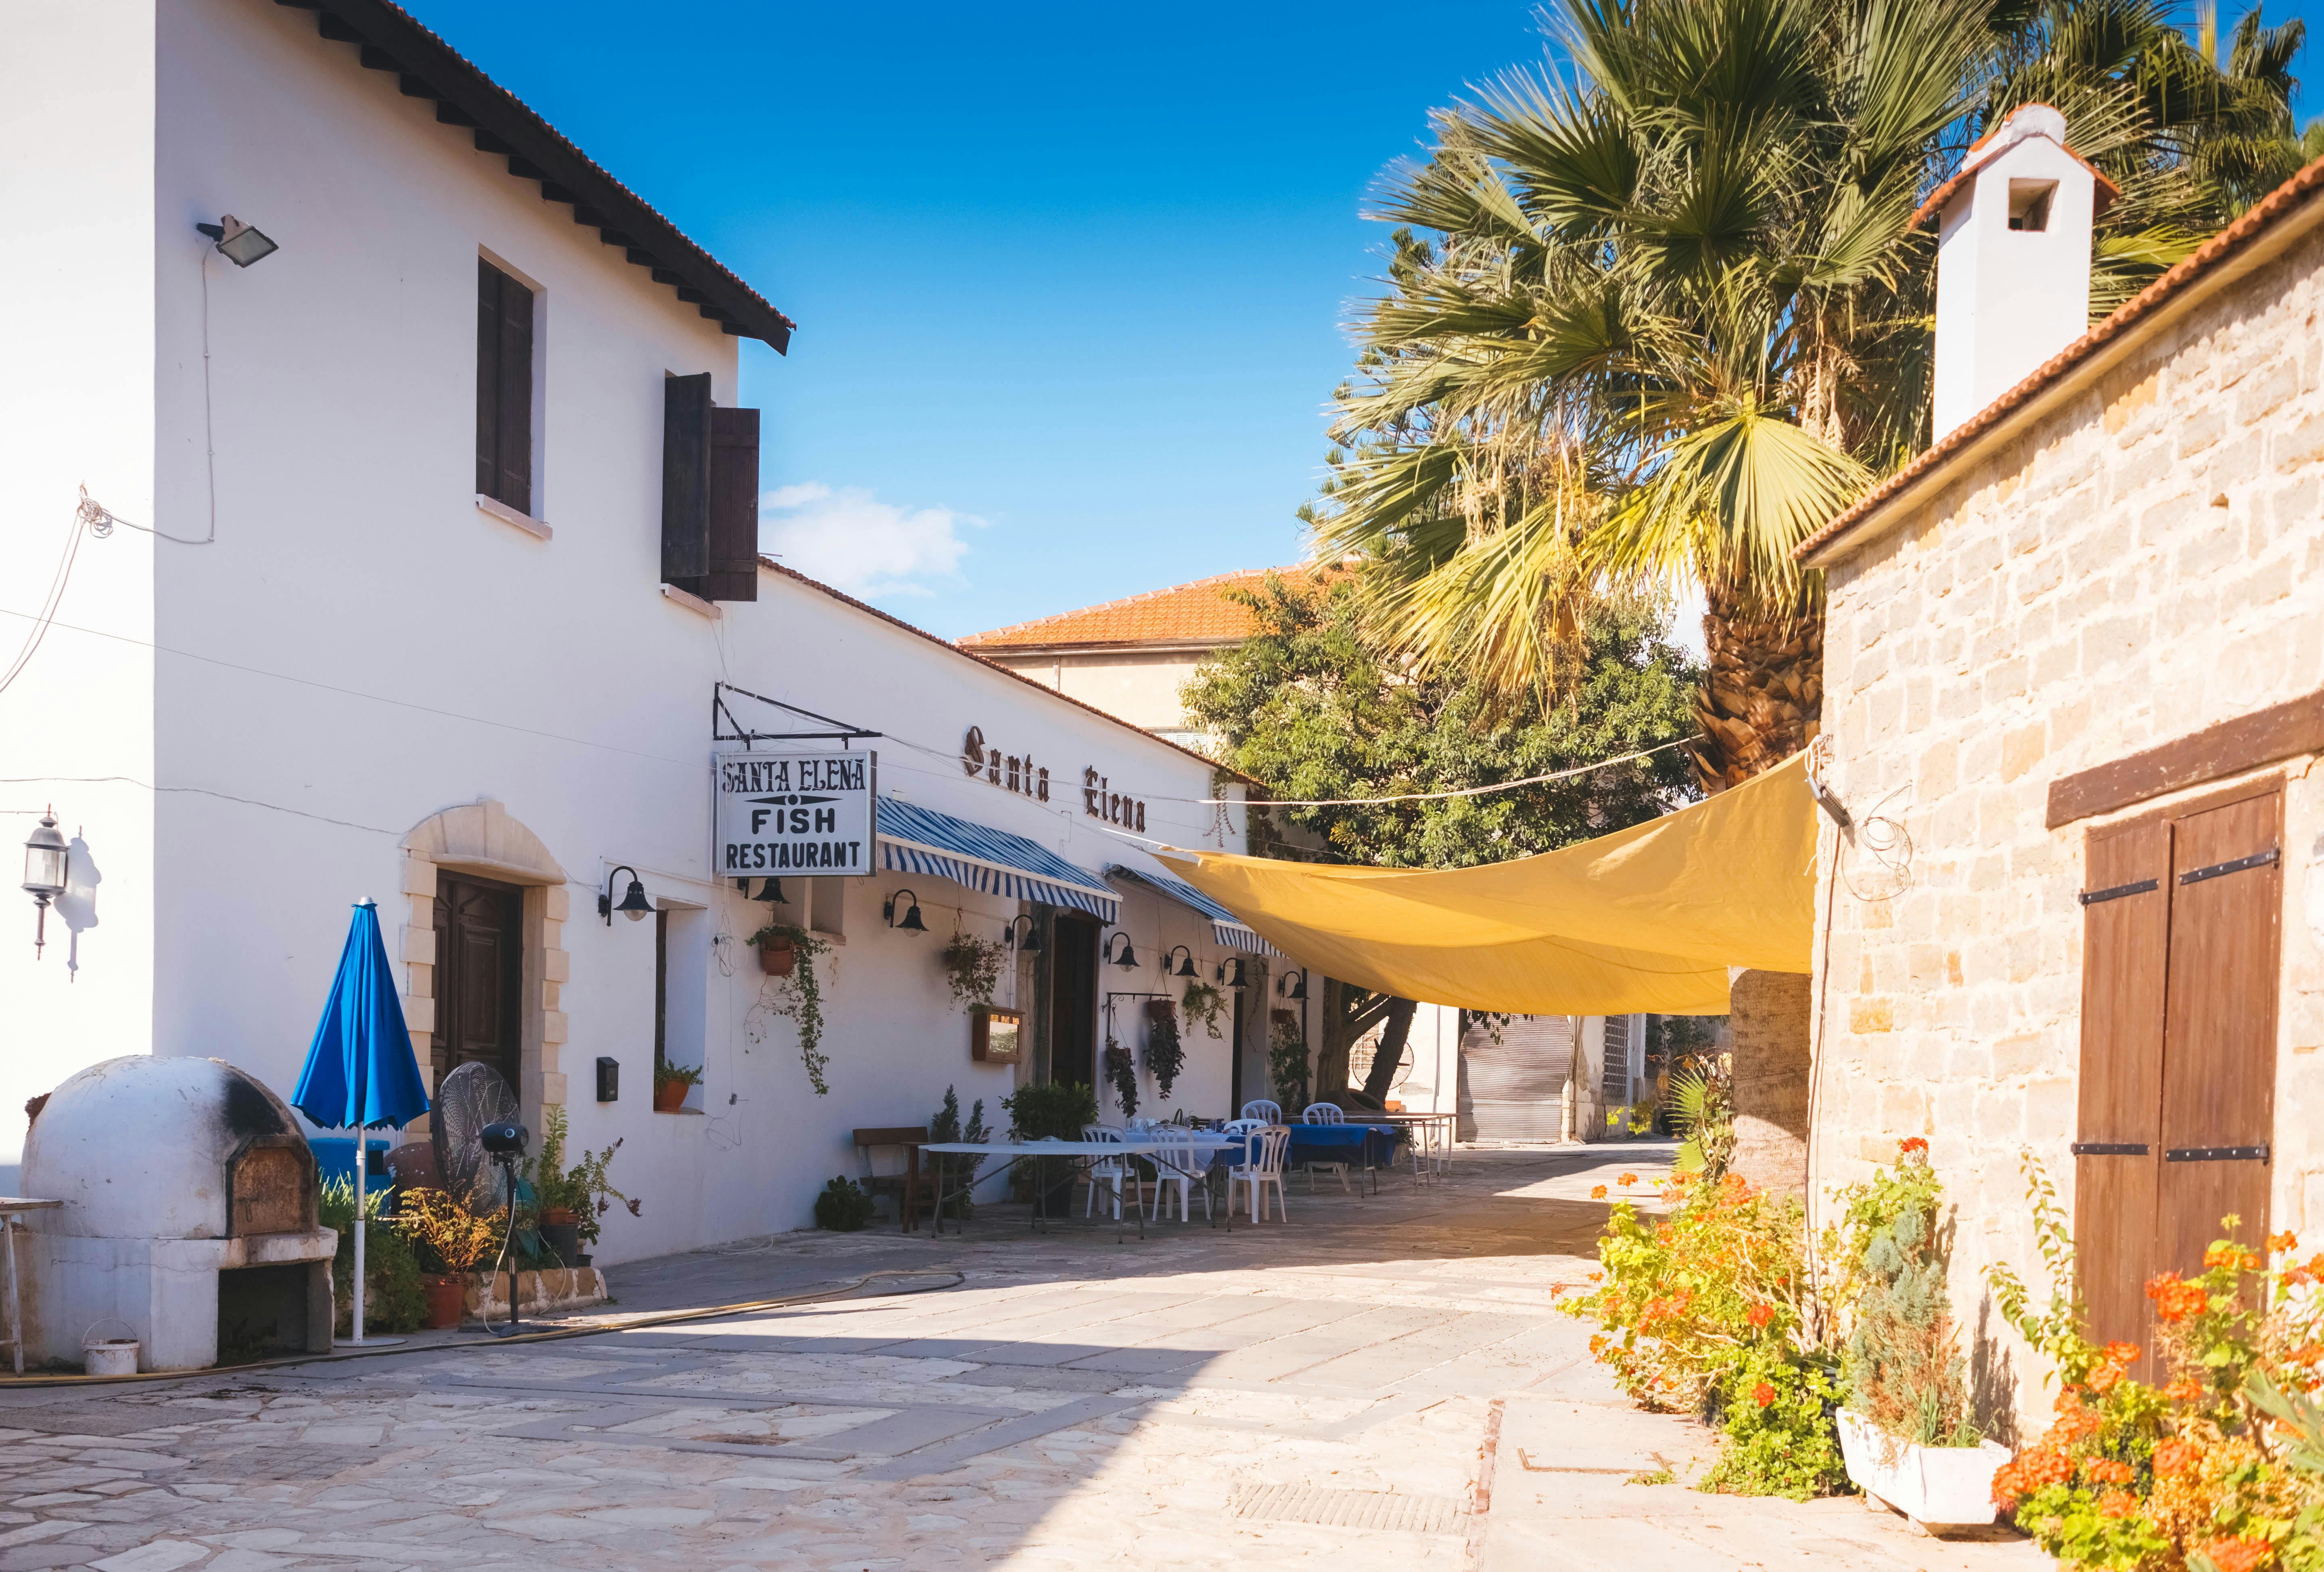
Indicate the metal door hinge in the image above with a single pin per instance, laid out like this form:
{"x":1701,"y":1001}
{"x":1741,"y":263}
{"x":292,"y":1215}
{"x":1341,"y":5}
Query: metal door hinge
{"x":2214,"y":1155}
{"x":2257,"y":860}
{"x":2092,"y":897}
{"x":2109,"y":1149}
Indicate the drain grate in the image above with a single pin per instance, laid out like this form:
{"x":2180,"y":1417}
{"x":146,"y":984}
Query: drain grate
{"x":1348,"y":1509}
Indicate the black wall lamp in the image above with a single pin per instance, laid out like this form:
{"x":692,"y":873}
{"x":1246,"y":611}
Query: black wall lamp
{"x":1294,"y":984}
{"x":239,"y":243}
{"x":1230,"y":973}
{"x":1128,"y":959}
{"x":911,"y":923}
{"x":770,"y":891}
{"x":1185,"y":968}
{"x":45,"y":855}
{"x":1031,"y":944}
{"x":634,"y":904}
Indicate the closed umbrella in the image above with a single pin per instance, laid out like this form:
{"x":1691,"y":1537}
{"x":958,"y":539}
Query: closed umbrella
{"x":360,"y":1073}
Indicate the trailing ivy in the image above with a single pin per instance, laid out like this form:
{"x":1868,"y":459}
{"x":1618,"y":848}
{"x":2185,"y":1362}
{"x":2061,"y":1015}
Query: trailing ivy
{"x":1204,"y":1004}
{"x":973,"y":968}
{"x":798,"y":996}
{"x":1121,"y":1074}
{"x":1165,"y":1056}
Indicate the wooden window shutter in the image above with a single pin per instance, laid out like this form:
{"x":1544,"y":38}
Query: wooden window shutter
{"x":2218,"y":1069}
{"x":733,"y":504}
{"x":685,"y":480}
{"x":2125,"y":926}
{"x":504,"y":388}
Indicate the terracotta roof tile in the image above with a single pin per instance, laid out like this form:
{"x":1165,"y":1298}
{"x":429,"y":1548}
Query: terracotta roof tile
{"x":1185,"y":613}
{"x":2278,"y":207}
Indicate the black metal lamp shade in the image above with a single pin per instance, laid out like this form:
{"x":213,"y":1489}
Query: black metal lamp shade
{"x":1230,"y":973}
{"x":910,"y":922}
{"x":634,"y":904}
{"x":1128,"y":959}
{"x":1186,"y":966}
{"x":1297,"y":984}
{"x":1031,"y":943}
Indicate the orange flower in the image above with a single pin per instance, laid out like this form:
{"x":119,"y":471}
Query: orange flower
{"x":2041,"y":1465}
{"x":2123,"y":1354}
{"x":2175,"y":1301}
{"x":1556,"y":1289}
{"x":2103,"y":1379}
{"x":2106,"y":1471}
{"x":2117,"y":1504}
{"x":1763,"y":1395}
{"x":1597,"y":1193}
{"x":1597,"y":1277}
{"x":2173,"y":1456}
{"x":1912,"y":1145}
{"x":1760,"y":1315}
{"x":2220,"y":1253}
{"x":2279,"y":1243}
{"x":2252,"y":1263}
{"x":2239,"y":1553}
{"x":1628,"y":1179}
{"x":2307,"y":1353}
{"x":2183,"y":1390}
{"x":1597,"y":1345}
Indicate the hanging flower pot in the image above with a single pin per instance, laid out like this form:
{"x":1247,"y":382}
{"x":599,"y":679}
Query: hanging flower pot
{"x":1161,"y":1010}
{"x":778,"y":956}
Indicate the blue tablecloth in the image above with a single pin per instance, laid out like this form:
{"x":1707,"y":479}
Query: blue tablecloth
{"x":1359,"y":1145}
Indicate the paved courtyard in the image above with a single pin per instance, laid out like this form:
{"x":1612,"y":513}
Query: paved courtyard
{"x":1381,"y":1383}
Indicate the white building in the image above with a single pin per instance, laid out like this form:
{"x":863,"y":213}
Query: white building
{"x":387,"y":613}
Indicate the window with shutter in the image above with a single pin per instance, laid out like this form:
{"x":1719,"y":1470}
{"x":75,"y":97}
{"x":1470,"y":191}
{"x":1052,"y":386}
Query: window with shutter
{"x":733,"y":505}
{"x":2181,"y":916}
{"x":685,"y":481}
{"x":504,"y":388}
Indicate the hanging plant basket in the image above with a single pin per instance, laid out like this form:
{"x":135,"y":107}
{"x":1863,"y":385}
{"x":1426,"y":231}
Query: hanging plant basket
{"x":778,"y":956}
{"x":1161,"y":1010}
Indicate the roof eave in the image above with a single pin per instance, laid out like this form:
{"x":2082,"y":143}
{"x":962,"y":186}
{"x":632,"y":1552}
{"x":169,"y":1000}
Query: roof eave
{"x":2251,"y":243}
{"x":392,"y":40}
{"x":1171,"y":646}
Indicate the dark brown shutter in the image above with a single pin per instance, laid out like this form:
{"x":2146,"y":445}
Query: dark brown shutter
{"x":733,"y":504}
{"x":504,"y":388}
{"x":2218,"y":1073}
{"x":2126,"y":923}
{"x":685,"y":480}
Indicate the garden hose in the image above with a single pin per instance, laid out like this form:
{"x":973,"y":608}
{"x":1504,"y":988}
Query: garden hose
{"x":666,"y":1318}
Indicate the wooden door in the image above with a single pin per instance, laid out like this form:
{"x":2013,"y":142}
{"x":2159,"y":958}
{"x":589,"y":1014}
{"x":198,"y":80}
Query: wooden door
{"x":2181,"y":914}
{"x":1072,"y":1001}
{"x":479,"y":976}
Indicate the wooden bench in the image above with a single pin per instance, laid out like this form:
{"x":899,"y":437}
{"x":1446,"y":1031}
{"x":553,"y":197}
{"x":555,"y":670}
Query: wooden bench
{"x":905,"y":1186}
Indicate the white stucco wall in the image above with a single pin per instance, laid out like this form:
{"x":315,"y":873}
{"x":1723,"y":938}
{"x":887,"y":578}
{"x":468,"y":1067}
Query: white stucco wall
{"x":362,"y":647}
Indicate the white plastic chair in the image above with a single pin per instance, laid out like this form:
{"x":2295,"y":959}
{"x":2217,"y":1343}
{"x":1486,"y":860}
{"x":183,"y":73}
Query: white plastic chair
{"x":1262,"y":1167}
{"x":1182,"y":1163}
{"x":1113,"y":1172}
{"x":1325,"y":1114}
{"x":1264,"y":1111}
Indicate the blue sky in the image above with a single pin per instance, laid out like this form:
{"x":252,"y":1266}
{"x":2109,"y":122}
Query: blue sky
{"x":1070,"y":281}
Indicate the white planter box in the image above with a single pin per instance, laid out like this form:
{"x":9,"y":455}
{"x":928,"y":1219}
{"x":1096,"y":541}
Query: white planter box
{"x":1935,"y":1486}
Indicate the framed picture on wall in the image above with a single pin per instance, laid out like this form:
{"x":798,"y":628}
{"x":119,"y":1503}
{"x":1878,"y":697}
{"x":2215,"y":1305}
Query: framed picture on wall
{"x":995,"y":1036}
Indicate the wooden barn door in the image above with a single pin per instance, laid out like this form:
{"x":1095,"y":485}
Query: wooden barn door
{"x":2180,"y":939}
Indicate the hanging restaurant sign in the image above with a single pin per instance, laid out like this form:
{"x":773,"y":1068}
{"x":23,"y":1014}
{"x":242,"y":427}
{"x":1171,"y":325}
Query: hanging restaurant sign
{"x":809,"y":813}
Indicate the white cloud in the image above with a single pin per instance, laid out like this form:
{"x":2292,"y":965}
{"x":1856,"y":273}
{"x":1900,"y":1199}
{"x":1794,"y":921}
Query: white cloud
{"x":851,"y":540}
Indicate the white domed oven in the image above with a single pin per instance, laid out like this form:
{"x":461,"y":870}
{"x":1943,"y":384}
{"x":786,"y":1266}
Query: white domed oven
{"x":190,"y":1213}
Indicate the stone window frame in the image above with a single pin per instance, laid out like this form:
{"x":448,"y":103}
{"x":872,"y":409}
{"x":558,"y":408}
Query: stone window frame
{"x":482,"y":839}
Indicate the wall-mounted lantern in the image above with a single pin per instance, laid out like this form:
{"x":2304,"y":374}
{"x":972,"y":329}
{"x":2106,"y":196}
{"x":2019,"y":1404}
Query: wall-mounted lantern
{"x":1186,"y":966}
{"x":45,"y":855}
{"x":910,"y":922}
{"x":1230,"y":973}
{"x":1293,"y":985}
{"x":634,"y":904}
{"x":1031,"y":943}
{"x":1128,"y":959}
{"x":239,"y":243}
{"x":772,"y":892}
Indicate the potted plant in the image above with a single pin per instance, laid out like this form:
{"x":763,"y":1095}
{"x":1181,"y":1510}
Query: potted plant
{"x":394,"y":1299}
{"x":1121,"y":1075}
{"x":973,"y":968}
{"x":570,"y":1200}
{"x":950,"y":1172}
{"x":1206,"y":1004}
{"x":798,"y":994}
{"x":1906,"y":1430}
{"x":1165,"y":1055}
{"x":1051,"y":1110}
{"x":671,"y":1082}
{"x":451,"y":1239}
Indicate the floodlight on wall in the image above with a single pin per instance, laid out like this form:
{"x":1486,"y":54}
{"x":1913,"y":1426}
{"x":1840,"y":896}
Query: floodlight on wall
{"x":1128,"y":959}
{"x":239,"y":243}
{"x":910,"y":922}
{"x":1186,"y":966}
{"x":634,"y":904}
{"x":1294,"y":984}
{"x":45,"y":855}
{"x":1031,"y":943}
{"x":1230,"y":973}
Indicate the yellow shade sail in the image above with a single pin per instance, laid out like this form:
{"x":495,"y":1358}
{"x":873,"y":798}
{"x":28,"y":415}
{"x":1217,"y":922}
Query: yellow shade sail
{"x":1647,"y":918}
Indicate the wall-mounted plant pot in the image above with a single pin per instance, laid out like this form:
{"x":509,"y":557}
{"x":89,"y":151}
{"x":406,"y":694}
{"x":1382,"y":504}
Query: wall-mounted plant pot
{"x":447,"y":1301}
{"x":1161,"y":1010}
{"x":670,"y":1096}
{"x":1938,"y":1487}
{"x":778,"y":958}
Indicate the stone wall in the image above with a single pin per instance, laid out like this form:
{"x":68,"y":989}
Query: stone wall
{"x":1768,"y":1019}
{"x":2142,"y":562}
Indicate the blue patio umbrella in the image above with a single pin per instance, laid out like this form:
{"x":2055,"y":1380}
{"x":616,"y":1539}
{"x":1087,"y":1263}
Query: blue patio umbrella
{"x":360,"y":1073}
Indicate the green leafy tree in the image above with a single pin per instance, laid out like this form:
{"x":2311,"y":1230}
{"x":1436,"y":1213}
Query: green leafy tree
{"x":1309,"y":708}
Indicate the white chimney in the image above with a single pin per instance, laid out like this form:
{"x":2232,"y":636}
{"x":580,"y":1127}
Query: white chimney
{"x":2013,"y":259}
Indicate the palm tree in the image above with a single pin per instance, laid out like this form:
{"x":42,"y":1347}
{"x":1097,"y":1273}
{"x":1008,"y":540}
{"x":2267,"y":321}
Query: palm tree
{"x":1655,"y":312}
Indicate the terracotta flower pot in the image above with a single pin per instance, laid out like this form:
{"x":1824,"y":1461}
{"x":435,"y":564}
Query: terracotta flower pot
{"x":446,"y":1302}
{"x":670,"y":1096}
{"x":554,"y":1215}
{"x":778,"y":958}
{"x":1161,"y":1010}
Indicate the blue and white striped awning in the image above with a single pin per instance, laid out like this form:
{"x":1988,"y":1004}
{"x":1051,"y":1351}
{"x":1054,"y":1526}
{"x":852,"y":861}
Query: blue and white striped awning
{"x":1226,"y":928}
{"x":920,"y":840}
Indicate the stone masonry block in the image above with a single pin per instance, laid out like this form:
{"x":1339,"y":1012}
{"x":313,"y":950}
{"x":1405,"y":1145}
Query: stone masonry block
{"x":554,"y":1025}
{"x":419,"y":876}
{"x":558,"y":906}
{"x":418,"y":946}
{"x":1768,"y":1015}
{"x":420,"y":1014}
{"x":556,"y":967}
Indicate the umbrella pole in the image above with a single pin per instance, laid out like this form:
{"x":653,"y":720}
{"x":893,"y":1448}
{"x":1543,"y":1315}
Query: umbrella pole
{"x":363,"y":1162}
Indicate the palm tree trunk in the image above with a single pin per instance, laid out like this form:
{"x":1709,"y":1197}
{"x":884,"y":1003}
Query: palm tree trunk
{"x":1762,"y":699}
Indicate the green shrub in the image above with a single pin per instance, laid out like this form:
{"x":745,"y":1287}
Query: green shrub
{"x":951,"y":1171}
{"x":1774,"y":1410}
{"x":393,"y":1299}
{"x":1058,"y":1108}
{"x":844,"y":1206}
